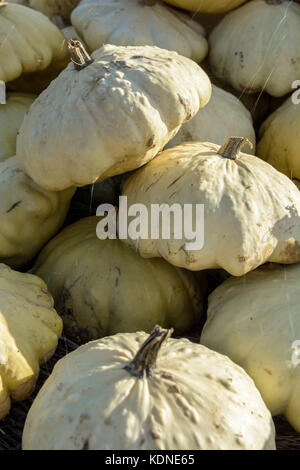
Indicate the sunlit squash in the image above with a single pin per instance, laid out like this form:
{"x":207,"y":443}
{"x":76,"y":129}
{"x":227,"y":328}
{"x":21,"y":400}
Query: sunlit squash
{"x":250,"y":210}
{"x":34,"y":45}
{"x":29,"y":214}
{"x":255,"y":320}
{"x":257,"y":47}
{"x":139,"y":23}
{"x":102,"y":287}
{"x":207,"y":6}
{"x":11,"y":117}
{"x":133,"y":101}
{"x":138,"y":392}
{"x":279,"y":142}
{"x":29,"y":332}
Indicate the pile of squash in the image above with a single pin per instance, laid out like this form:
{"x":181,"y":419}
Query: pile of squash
{"x":162,"y":102}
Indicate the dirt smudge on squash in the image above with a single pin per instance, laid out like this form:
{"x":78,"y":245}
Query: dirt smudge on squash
{"x":150,"y":142}
{"x":185,"y":103}
{"x":291,"y":253}
{"x":84,"y":417}
{"x":16,"y":204}
{"x":86,"y":445}
{"x":268,"y":371}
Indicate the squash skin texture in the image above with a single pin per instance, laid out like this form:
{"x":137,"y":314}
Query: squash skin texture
{"x":77,"y":131}
{"x":53,"y":8}
{"x":133,"y":23}
{"x":251,"y":211}
{"x":35,"y":44}
{"x":29,"y":332}
{"x":50,"y":8}
{"x":11,"y":117}
{"x":257,"y":47}
{"x":207,"y":6}
{"x":224,"y":115}
{"x":102,"y":287}
{"x":254,"y":320}
{"x":280,"y":139}
{"x":29,"y":215}
{"x":194,"y":399}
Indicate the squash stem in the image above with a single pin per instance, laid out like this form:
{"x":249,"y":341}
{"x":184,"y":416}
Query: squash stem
{"x":145,"y":359}
{"x":79,"y":55}
{"x":232,"y":147}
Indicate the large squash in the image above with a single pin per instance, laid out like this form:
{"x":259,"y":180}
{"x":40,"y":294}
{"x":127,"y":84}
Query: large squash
{"x":206,"y":6}
{"x":251,"y":210}
{"x":29,"y":332}
{"x":29,"y":215}
{"x":29,"y":42}
{"x":132,"y":102}
{"x":279,"y":142}
{"x":125,"y":393}
{"x":257,"y":47}
{"x":255,"y":320}
{"x":139,"y":23}
{"x":102,"y":287}
{"x":223,"y":116}
{"x":11,"y":117}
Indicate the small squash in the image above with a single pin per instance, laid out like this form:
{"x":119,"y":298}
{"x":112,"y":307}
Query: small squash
{"x":29,"y":332}
{"x":132,"y":102}
{"x":251,"y":210}
{"x":255,"y":320}
{"x":11,"y":117}
{"x":133,"y":391}
{"x":257,"y":47}
{"x":223,"y":116}
{"x":139,"y":23}
{"x":207,"y":6}
{"x":102,"y":287}
{"x":29,"y":215}
{"x":279,"y":142}
{"x":34,"y":45}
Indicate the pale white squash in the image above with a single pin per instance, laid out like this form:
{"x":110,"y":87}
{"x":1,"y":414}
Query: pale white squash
{"x":206,"y":6}
{"x":29,"y":215}
{"x":279,"y":142}
{"x":29,"y":332}
{"x":223,"y":116}
{"x":257,"y":47}
{"x":139,"y":23}
{"x":29,"y":42}
{"x":255,"y":320}
{"x":125,"y":393}
{"x":109,"y":115}
{"x":251,"y":210}
{"x":11,"y":117}
{"x":102,"y":287}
